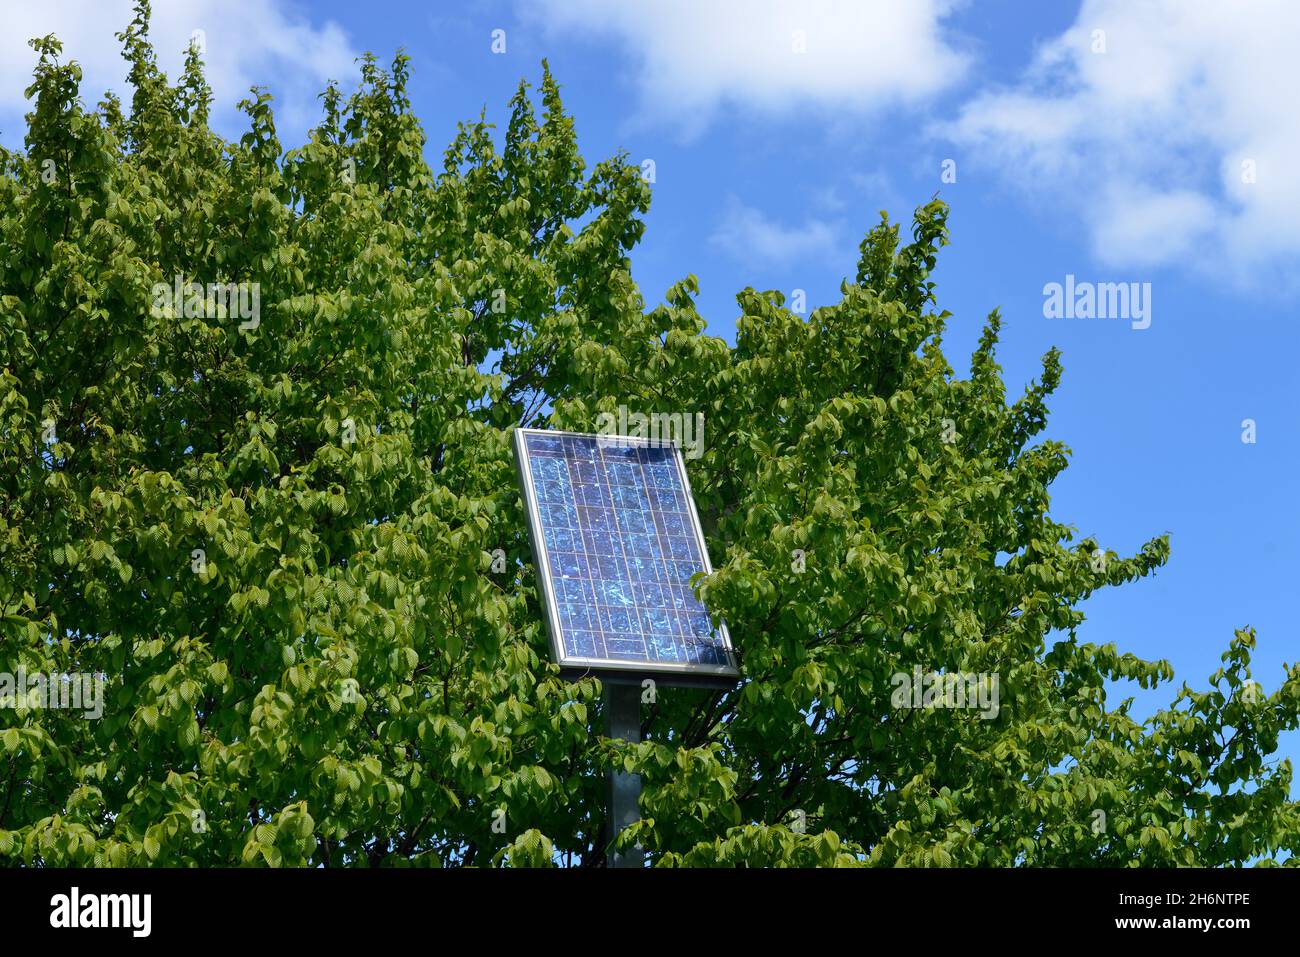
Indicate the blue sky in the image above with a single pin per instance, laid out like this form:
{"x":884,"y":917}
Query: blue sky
{"x":1109,"y":140}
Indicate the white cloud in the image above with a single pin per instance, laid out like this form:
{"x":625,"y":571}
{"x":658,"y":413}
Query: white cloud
{"x":695,"y":56}
{"x":753,"y":238}
{"x":1146,"y":141}
{"x":263,"y":42}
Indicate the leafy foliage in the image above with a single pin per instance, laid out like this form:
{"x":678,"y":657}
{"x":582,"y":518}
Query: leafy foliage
{"x":275,"y":538}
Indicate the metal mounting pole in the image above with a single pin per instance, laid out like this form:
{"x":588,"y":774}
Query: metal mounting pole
{"x":623,"y":721}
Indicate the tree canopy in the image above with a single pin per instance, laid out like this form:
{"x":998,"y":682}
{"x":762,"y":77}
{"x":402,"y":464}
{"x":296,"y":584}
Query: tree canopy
{"x":272,"y":534}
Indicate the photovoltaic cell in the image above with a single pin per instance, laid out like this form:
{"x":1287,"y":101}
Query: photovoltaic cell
{"x":617,"y":541}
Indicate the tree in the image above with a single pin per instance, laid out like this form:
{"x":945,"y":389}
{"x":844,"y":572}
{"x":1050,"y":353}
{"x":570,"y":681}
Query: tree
{"x":267,"y":514}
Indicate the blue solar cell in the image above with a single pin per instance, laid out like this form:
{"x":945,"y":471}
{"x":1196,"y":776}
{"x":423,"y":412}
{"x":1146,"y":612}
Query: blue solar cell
{"x":617,"y":542}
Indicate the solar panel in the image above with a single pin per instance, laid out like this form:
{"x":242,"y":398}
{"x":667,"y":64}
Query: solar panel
{"x":616,"y":540}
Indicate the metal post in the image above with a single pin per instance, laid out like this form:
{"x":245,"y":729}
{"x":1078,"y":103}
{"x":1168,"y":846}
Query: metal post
{"x":623,"y":720}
